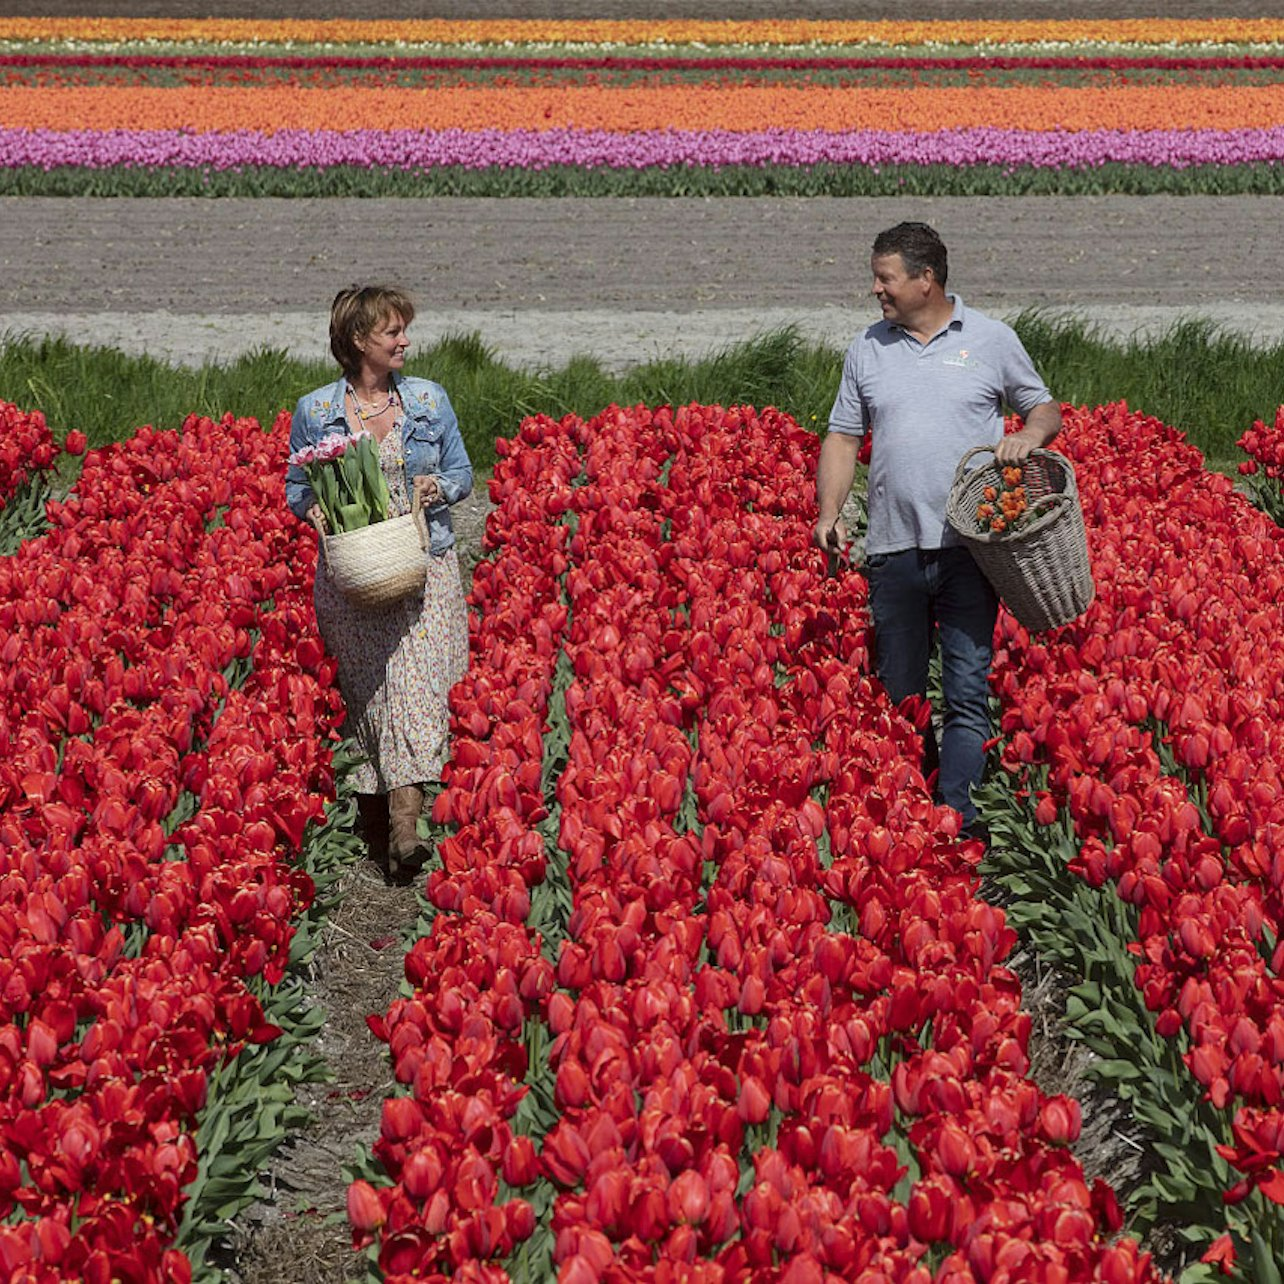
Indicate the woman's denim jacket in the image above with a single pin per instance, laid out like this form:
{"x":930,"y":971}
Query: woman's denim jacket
{"x":430,"y":439}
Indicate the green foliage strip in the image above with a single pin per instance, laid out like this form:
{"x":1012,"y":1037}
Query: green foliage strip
{"x":1209,"y":383}
{"x":1111,"y":179}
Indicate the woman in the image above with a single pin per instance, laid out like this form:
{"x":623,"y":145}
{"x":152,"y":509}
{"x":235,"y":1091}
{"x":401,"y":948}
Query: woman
{"x":396,"y":663}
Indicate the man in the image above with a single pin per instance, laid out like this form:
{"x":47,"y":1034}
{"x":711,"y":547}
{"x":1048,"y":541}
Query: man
{"x":930,"y":381}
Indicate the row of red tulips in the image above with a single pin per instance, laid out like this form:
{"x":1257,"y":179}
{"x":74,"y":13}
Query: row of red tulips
{"x":609,"y":62}
{"x":27,"y":447}
{"x":1264,"y":445}
{"x":739,"y":1089}
{"x":1155,"y":725}
{"x":764,"y":916}
{"x":1263,"y":471}
{"x":478,"y":975}
{"x":165,"y":716}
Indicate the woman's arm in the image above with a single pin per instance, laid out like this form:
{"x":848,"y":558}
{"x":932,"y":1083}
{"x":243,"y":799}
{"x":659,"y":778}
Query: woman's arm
{"x":455,"y":478}
{"x":298,"y":494}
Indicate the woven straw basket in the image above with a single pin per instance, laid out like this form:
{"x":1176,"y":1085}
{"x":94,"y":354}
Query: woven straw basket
{"x":1040,"y":570}
{"x":379,"y":564}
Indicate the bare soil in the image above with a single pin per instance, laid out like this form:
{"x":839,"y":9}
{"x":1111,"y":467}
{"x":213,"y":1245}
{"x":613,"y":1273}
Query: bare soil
{"x":257,"y":257}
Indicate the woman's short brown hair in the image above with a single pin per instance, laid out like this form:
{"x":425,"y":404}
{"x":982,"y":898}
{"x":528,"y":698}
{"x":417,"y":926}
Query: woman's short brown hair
{"x":357,"y":312}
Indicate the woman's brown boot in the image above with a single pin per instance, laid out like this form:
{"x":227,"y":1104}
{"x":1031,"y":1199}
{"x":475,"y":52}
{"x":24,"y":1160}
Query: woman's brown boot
{"x":406,"y":851}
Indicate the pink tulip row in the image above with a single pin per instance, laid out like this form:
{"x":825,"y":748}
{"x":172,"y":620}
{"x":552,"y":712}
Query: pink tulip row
{"x":743,"y":1091}
{"x":149,"y":810}
{"x":1184,"y":636}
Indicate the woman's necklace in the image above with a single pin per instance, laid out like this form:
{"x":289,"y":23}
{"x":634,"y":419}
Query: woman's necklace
{"x":365,"y":414}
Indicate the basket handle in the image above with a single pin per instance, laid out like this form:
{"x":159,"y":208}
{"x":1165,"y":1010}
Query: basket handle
{"x":318,"y":521}
{"x":417,"y":512}
{"x":962,"y":468}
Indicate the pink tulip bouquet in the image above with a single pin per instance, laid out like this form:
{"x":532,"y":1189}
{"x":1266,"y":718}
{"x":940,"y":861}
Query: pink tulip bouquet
{"x":345,"y":476}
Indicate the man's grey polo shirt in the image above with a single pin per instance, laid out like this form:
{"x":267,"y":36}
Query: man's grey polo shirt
{"x":927,"y":404}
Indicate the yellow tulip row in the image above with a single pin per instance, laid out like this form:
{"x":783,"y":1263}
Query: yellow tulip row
{"x":783,"y":32}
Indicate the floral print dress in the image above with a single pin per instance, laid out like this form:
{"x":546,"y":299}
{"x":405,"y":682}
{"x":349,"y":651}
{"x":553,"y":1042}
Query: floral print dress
{"x":397,"y":663}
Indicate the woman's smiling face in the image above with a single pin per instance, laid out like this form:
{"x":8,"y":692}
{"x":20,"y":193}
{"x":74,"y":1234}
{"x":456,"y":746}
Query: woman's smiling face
{"x":384,"y":348}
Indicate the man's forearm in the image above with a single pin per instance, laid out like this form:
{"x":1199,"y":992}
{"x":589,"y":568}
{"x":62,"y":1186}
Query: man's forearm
{"x":834,"y":474}
{"x":1044,"y":422}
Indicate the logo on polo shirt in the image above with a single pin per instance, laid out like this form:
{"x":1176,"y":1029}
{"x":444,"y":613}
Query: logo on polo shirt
{"x":961,"y":359}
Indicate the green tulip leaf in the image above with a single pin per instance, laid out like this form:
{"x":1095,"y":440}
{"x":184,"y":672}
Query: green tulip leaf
{"x":1265,"y":1262}
{"x":1118,"y":1070}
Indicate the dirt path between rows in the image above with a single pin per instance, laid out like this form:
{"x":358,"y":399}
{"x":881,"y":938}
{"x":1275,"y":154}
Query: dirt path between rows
{"x":266,"y":256}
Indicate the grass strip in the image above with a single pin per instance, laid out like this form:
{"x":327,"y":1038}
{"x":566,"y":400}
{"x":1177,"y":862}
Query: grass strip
{"x":1209,"y":383}
{"x":320,"y":71}
{"x":694,"y":61}
{"x":1109,"y":179}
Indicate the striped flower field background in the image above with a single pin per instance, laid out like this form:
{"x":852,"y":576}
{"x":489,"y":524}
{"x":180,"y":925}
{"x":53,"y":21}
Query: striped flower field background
{"x":239,"y":107}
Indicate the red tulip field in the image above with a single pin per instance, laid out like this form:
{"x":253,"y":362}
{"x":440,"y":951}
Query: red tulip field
{"x":708,"y":989}
{"x":166,"y":713}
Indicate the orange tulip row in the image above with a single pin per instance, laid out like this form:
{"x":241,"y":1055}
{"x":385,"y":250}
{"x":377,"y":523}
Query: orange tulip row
{"x":630,"y":108}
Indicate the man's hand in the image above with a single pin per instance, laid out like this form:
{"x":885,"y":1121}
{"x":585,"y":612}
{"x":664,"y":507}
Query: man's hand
{"x":1041,"y":426}
{"x":830,"y":535}
{"x":317,"y":518}
{"x":1014,"y":448}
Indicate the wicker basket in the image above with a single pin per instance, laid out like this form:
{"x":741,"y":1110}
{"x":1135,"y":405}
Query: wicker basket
{"x":1040,"y":570}
{"x":379,"y":564}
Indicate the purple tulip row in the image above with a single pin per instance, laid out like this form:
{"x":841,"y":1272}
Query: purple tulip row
{"x":595,"y":149}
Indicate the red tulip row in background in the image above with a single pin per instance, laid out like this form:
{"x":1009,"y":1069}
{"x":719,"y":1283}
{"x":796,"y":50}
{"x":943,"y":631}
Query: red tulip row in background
{"x":166,"y":713}
{"x":739,"y":1089}
{"x":1264,"y":444}
{"x":27,"y":447}
{"x":1263,"y":471}
{"x":1155,"y":725}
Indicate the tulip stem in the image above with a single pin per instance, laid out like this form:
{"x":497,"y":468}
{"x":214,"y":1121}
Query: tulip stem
{"x":23,"y":515}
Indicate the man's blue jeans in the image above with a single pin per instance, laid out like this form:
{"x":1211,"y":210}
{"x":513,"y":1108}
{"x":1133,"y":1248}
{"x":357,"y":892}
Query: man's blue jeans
{"x":912,"y":593}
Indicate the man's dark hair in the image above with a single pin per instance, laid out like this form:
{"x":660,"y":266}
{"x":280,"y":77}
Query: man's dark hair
{"x":919,"y":248}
